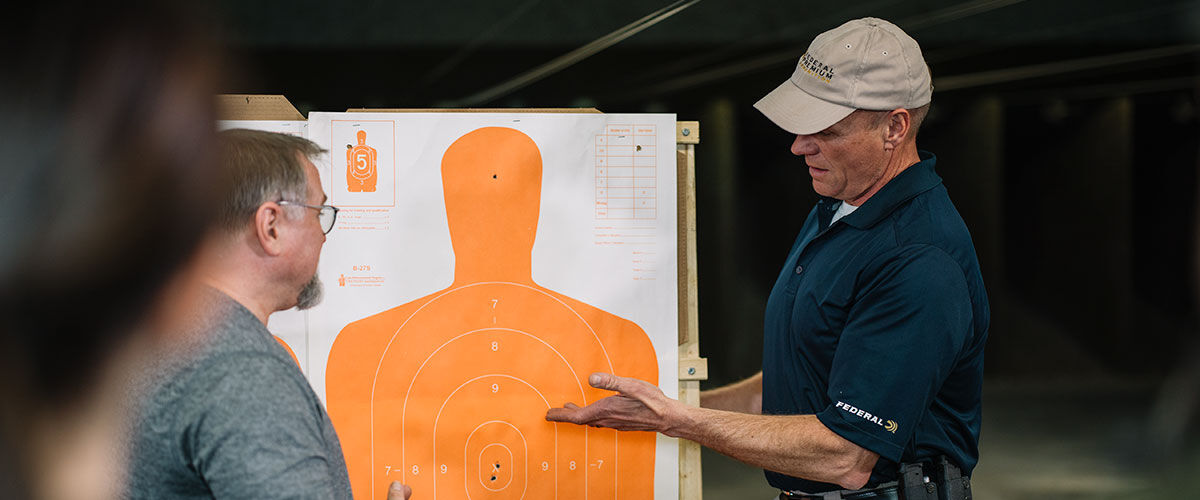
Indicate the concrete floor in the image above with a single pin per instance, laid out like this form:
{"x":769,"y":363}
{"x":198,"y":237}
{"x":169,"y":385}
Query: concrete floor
{"x":1043,"y":440}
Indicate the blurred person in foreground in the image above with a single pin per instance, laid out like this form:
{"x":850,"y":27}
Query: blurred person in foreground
{"x":233,"y":416}
{"x":107,"y":138}
{"x":875,"y":330}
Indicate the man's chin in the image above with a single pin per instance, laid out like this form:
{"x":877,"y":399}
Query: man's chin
{"x":311,"y":294}
{"x":822,"y":189}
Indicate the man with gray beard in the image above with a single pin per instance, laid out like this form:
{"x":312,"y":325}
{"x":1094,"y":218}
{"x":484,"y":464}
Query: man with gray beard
{"x":232,"y":416}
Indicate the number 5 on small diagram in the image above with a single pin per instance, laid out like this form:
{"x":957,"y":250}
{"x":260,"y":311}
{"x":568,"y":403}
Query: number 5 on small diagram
{"x":361,"y":174}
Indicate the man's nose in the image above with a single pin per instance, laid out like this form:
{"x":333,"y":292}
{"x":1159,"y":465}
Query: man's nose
{"x":804,"y":145}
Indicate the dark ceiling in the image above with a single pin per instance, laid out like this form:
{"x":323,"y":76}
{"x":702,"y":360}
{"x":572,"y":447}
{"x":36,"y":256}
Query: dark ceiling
{"x":328,"y":56}
{"x":1056,"y":123}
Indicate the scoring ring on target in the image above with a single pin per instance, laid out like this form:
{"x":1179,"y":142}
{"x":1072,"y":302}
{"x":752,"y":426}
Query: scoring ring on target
{"x":495,"y":470}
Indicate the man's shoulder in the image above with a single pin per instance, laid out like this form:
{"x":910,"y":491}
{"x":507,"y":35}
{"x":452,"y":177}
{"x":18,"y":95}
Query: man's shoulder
{"x":252,"y":367}
{"x":931,"y":218}
{"x":244,"y":354}
{"x":226,"y":352}
{"x":222,"y":379}
{"x":248,"y":423}
{"x":232,"y":335}
{"x":203,"y":395}
{"x":927,"y":226}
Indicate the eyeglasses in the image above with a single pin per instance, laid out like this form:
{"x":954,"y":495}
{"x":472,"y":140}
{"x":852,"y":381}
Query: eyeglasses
{"x":327,"y":214}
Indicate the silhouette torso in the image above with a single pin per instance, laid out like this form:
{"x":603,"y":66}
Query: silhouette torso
{"x":448,"y":393}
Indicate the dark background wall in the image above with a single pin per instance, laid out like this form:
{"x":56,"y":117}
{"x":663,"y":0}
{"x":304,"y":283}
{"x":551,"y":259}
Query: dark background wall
{"x":1067,"y":133}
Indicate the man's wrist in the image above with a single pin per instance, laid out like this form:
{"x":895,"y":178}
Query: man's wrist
{"x":683,"y":423}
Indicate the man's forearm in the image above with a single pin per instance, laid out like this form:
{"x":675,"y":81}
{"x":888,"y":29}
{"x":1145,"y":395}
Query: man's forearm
{"x":796,"y":445}
{"x":742,"y":397}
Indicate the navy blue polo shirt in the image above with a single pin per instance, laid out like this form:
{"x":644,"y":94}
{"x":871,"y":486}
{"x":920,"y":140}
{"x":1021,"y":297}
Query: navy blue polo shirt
{"x":877,"y":326}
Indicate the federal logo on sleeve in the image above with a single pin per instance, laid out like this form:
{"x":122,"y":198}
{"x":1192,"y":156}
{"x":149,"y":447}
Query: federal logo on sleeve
{"x":889,"y":425}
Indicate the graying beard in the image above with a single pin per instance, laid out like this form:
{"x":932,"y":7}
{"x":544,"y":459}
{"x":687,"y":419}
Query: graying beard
{"x":311,"y":294}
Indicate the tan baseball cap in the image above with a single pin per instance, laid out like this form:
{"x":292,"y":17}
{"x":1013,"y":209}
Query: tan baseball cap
{"x":866,"y":63}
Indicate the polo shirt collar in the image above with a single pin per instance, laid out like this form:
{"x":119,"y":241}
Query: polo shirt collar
{"x":913,"y":181}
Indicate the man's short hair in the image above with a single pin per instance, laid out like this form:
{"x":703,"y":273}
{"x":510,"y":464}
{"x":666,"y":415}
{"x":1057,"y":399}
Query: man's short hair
{"x":259,"y":167}
{"x":917,"y":117}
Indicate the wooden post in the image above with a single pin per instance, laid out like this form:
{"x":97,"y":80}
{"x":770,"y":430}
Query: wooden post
{"x":692,"y":367}
{"x":256,"y":107}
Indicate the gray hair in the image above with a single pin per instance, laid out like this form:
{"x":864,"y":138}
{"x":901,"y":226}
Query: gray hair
{"x":875,"y":119}
{"x":918,"y":117}
{"x":258,"y":167}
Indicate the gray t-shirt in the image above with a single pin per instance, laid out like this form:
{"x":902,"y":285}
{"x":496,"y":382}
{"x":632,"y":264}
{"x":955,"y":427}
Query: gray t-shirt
{"x":234,"y":418}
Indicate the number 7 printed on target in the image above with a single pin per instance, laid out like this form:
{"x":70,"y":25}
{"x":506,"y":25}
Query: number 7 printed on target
{"x":361,"y":173}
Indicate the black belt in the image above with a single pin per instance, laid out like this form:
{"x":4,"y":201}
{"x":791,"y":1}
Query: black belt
{"x":940,"y":480}
{"x":886,"y":491}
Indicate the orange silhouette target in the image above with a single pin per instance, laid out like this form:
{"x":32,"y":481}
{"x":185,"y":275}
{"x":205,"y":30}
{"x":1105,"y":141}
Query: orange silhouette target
{"x":361,"y":173}
{"x":448,"y":393}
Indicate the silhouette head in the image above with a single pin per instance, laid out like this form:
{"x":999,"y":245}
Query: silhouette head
{"x":362,"y":137}
{"x":492,"y":180}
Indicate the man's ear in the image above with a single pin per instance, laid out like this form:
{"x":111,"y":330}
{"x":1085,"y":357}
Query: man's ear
{"x":899,"y":125}
{"x":267,"y":221}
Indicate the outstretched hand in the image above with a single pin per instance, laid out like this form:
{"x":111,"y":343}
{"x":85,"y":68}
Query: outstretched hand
{"x":637,"y":406}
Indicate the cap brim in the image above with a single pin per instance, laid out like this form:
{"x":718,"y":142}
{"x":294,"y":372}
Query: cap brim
{"x":796,"y":111}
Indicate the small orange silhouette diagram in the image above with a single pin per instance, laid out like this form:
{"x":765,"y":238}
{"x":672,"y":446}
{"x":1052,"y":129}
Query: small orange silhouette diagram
{"x":361,"y":173}
{"x":342,"y":280}
{"x":448,"y":393}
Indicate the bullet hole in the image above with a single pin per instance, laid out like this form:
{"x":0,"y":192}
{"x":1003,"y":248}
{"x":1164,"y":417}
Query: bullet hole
{"x":639,"y":148}
{"x":349,"y":146}
{"x":493,"y":478}
{"x":493,"y":176}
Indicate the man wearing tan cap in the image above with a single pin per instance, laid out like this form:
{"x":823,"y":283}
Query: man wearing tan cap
{"x":875,"y":329}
